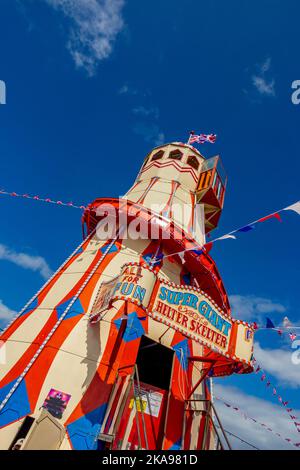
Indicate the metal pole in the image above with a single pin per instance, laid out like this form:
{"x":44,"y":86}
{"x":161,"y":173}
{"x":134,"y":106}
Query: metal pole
{"x":120,"y":414}
{"x":141,"y":405}
{"x":203,"y":446}
{"x":136,"y":417}
{"x":221,"y":427}
{"x":183,"y":425}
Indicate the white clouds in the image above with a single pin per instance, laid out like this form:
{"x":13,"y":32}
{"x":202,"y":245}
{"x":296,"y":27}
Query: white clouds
{"x":5,"y":312}
{"x":124,"y":90}
{"x":160,"y":139}
{"x":266,"y":65}
{"x":252,"y":308}
{"x":264,"y":85}
{"x":94,"y":27}
{"x":128,"y":90}
{"x":278,"y":362}
{"x":145,"y":112}
{"x":2,"y":92}
{"x":150,"y":132}
{"x":262,"y":410}
{"x":147,"y":115}
{"x":34,"y":263}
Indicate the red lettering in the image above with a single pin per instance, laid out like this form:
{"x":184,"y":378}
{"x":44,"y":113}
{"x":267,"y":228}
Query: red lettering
{"x":170,"y":313}
{"x":160,"y":307}
{"x":218,"y":339}
{"x":214,"y":333}
{"x":167,"y":311}
{"x":198,"y":328}
{"x":208,"y":336}
{"x":178,"y":317}
{"x":184,"y":321}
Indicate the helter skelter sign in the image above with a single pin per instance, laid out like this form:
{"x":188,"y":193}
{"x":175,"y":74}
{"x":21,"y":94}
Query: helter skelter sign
{"x":184,"y":308}
{"x":194,"y":314}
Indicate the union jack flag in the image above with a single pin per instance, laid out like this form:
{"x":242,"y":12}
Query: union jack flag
{"x":201,"y":138}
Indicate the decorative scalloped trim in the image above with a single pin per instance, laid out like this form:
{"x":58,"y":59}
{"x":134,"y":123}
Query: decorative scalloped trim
{"x":192,"y":288}
{"x":156,"y":317}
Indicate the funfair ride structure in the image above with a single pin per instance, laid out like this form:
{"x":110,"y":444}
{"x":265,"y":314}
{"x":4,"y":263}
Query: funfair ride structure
{"x":118,"y":349}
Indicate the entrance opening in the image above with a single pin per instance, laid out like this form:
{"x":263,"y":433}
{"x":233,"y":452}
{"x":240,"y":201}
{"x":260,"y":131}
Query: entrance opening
{"x":154,"y":362}
{"x":22,"y":433}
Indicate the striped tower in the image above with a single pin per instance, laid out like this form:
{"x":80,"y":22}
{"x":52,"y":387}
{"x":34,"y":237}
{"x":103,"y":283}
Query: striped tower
{"x":115,"y":350}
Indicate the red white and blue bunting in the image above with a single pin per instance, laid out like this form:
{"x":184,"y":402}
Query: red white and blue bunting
{"x":38,"y":198}
{"x":265,"y":379}
{"x":263,"y":425}
{"x":233,"y":234}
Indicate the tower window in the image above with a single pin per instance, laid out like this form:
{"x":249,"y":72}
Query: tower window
{"x":158,"y":155}
{"x":193,"y":161}
{"x":175,"y":155}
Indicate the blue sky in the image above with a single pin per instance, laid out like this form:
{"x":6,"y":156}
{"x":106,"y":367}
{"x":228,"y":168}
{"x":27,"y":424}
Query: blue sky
{"x":92,"y":86}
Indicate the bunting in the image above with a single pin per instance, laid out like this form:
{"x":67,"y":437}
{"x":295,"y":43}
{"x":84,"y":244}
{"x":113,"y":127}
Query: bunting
{"x":38,"y":198}
{"x":269,"y":323}
{"x":294,"y":207}
{"x":245,"y":416}
{"x":244,"y":229}
{"x":287,"y":325}
{"x":275,"y":393}
{"x":252,"y":225}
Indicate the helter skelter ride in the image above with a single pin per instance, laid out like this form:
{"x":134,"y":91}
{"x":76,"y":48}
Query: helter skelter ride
{"x":117,"y":349}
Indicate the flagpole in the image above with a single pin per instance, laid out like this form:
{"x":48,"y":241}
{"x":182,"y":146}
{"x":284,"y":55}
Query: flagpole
{"x":191,"y":133}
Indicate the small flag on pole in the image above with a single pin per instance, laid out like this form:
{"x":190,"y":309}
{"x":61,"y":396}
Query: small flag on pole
{"x":201,"y":138}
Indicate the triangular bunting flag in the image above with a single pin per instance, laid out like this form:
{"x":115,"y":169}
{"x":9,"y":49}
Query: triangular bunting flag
{"x":294,"y":207}
{"x":247,"y":228}
{"x":225,"y":237}
{"x":271,"y":216}
{"x":269,"y":323}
